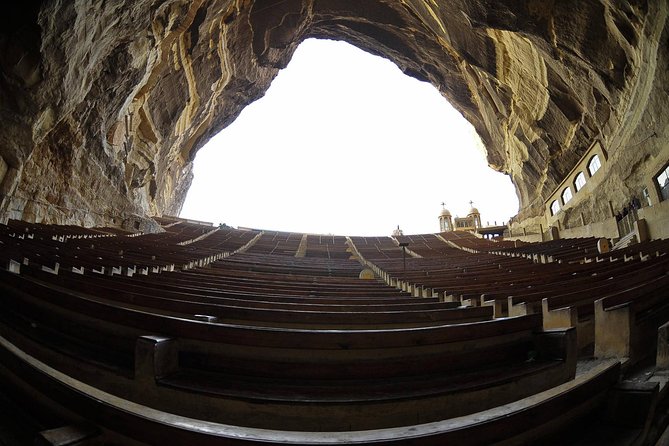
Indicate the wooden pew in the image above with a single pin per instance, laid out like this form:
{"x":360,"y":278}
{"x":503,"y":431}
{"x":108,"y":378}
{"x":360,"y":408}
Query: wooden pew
{"x":385,"y":374}
{"x":594,"y":280}
{"x":538,"y":419}
{"x":291,"y":315}
{"x":626,"y":322}
{"x":576,"y":308}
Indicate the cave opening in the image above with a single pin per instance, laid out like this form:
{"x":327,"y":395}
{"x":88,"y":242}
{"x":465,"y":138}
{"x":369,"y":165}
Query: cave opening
{"x":343,"y":142}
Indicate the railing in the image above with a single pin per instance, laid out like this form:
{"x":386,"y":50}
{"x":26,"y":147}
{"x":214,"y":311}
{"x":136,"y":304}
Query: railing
{"x":626,"y":223}
{"x":528,"y":230}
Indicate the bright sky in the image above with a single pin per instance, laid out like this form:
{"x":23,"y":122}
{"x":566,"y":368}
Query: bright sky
{"x":345,"y":143}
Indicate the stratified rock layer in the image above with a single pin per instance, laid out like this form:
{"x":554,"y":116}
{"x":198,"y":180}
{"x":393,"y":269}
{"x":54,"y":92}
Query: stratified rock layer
{"x":104,"y":104}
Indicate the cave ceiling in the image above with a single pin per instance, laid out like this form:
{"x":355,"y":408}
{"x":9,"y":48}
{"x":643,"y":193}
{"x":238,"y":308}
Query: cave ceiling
{"x":105,"y":104}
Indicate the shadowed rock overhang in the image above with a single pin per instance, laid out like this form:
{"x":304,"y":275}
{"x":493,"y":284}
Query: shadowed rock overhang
{"x":105,"y":104}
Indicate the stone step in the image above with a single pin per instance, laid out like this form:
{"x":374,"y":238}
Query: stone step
{"x":302,"y":249}
{"x":624,"y":242}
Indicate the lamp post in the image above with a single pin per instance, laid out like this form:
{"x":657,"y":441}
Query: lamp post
{"x":404,"y":245}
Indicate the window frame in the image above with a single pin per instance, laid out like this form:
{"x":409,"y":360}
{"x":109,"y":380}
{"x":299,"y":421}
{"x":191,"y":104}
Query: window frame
{"x":566,"y":191}
{"x":579,"y":185}
{"x":662,"y":189}
{"x":592,"y":162}
{"x":555,"y":207}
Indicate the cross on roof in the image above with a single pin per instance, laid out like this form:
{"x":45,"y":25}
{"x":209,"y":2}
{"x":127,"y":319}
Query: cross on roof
{"x":443,"y":205}
{"x":471,"y":203}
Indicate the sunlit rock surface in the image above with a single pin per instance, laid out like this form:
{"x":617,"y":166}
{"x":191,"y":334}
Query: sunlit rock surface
{"x":104,"y":104}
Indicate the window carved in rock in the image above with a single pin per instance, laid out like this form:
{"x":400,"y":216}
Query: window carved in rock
{"x":579,"y":182}
{"x":662,"y":181}
{"x":566,"y":195}
{"x":555,"y":207}
{"x":594,"y":165}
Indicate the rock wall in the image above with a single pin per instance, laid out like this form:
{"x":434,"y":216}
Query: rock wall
{"x":104,"y":104}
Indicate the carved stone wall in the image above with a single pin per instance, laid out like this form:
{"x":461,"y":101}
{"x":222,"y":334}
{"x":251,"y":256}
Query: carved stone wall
{"x":104,"y":104}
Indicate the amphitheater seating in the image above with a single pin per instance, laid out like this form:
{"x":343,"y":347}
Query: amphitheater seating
{"x":121,"y":254}
{"x":563,"y":250}
{"x":574,"y":304}
{"x":582,"y":277}
{"x":341,"y":311}
{"x":564,"y":290}
{"x":62,"y":232}
{"x":373,"y":248}
{"x":425,"y":245}
{"x":276,"y":243}
{"x":653,"y":248}
{"x":425,"y":363}
{"x":272,"y":336}
{"x":458,"y":273}
{"x":327,"y":246}
{"x":541,"y":418}
{"x":181,"y":232}
{"x":224,"y":240}
{"x":626,"y":322}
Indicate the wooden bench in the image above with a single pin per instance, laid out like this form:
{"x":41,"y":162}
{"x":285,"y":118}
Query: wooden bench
{"x":588,"y":281}
{"x":532,"y":420}
{"x":576,"y":308}
{"x":362,"y":315}
{"x":626,"y":322}
{"x":463,"y":367}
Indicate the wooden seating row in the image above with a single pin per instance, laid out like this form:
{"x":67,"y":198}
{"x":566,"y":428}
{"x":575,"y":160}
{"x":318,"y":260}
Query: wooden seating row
{"x":257,"y":347}
{"x":179,"y":301}
{"x":626,"y":322}
{"x":58,"y":232}
{"x":277,"y":243}
{"x":181,"y":232}
{"x":558,"y":276}
{"x":565,"y":293}
{"x":412,"y":364}
{"x":652,"y":248}
{"x":461,"y":274}
{"x":373,"y":248}
{"x":584,"y":281}
{"x":333,"y":277}
{"x":539,"y":419}
{"x":467,"y":241}
{"x":564,"y":250}
{"x":330,"y":247}
{"x":295,"y":265}
{"x":115,"y":254}
{"x":265,"y":292}
{"x":426,"y":245}
{"x":225,"y":240}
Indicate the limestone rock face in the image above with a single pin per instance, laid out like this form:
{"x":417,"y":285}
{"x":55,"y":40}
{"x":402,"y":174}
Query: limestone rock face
{"x":105,"y":104}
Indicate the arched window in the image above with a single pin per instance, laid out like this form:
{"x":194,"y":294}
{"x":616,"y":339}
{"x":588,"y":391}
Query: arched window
{"x":566,"y":195}
{"x":663,"y":183}
{"x":594,"y":165}
{"x":555,"y":207}
{"x":579,"y":182}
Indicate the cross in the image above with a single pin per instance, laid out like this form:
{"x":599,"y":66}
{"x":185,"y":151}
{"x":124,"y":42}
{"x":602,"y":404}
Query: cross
{"x":443,"y":205}
{"x":471,"y":203}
